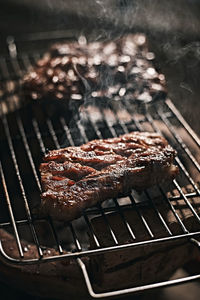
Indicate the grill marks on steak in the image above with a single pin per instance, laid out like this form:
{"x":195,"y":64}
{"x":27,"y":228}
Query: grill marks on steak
{"x":76,"y":178}
{"x":92,"y":158}
{"x":74,"y":171}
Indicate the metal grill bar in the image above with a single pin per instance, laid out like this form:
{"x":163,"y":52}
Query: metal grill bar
{"x":52,"y":133}
{"x":130,"y":290}
{"x":28,"y":152}
{"x":38,"y":135}
{"x":149,"y":286}
{"x":13,"y":222}
{"x":186,"y":200}
{"x":20,"y":125}
{"x":138,"y":126}
{"x":6,"y":224}
{"x":78,"y":245}
{"x":185,"y":125}
{"x":140,"y":214}
{"x":131,"y":198}
{"x":83,"y":134}
{"x":16,"y":67}
{"x":189,"y":195}
{"x":127,"y":225}
{"x":55,"y":236}
{"x":176,"y":183}
{"x":185,"y":148}
{"x":95,"y":238}
{"x":67,"y":131}
{"x":179,"y":188}
{"x":98,"y":250}
{"x":179,"y":140}
{"x":108,"y":225}
{"x":174,"y":211}
{"x":150,"y":120}
{"x":158,"y":214}
{"x":181,"y":166}
{"x":113,"y":131}
{"x":57,"y":145}
{"x":28,"y":212}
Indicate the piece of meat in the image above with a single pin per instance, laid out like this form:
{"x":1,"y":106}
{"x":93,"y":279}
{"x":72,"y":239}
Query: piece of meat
{"x":76,"y":178}
{"x":74,"y":72}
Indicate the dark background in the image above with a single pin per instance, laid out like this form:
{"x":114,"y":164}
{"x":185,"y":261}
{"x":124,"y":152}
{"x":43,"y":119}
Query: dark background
{"x":173,"y":28}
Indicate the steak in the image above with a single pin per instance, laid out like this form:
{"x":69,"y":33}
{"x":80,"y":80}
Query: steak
{"x":85,"y":72}
{"x":76,"y":178}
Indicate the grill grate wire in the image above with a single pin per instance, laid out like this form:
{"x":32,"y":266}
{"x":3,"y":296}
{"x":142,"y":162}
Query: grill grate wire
{"x":11,"y":70}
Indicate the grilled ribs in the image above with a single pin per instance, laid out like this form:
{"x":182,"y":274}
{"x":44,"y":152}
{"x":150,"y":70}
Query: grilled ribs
{"x":76,"y":178}
{"x":75,"y":73}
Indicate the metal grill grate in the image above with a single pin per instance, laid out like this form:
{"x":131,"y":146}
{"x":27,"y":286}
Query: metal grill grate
{"x":25,"y":138}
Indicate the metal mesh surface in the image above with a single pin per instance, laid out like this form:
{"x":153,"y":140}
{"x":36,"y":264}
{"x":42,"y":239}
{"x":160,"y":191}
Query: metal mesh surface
{"x":25,"y":138}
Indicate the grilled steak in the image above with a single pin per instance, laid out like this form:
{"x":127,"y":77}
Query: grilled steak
{"x":76,"y":178}
{"x":72,"y":72}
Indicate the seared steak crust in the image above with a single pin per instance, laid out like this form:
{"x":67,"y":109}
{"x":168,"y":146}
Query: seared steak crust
{"x":110,"y":70}
{"x":76,"y":178}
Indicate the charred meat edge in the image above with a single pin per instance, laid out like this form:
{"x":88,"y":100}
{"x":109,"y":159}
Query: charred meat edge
{"x":76,"y":178}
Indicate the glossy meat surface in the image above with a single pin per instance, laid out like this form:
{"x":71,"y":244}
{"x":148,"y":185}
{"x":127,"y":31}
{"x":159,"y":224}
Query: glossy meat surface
{"x":76,"y":178}
{"x":116,"y":69}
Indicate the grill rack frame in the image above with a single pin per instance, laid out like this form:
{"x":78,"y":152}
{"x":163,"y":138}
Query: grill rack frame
{"x":165,"y":118}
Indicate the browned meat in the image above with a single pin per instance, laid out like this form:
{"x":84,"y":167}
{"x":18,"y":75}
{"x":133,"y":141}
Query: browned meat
{"x":76,"y":178}
{"x":106,"y":70}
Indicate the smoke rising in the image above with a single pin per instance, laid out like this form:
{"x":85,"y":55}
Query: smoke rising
{"x":172,"y":28}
